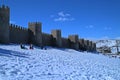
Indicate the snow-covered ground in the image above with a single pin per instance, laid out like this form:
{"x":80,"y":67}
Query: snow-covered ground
{"x":55,"y":64}
{"x":108,"y":43}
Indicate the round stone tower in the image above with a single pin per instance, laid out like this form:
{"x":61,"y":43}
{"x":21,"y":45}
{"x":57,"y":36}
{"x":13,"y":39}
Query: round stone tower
{"x":4,"y":24}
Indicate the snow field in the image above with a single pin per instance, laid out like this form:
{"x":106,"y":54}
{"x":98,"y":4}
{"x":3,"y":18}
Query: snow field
{"x":55,"y":64}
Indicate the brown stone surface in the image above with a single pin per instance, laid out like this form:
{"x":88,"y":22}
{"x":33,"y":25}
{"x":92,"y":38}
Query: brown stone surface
{"x":57,"y":35}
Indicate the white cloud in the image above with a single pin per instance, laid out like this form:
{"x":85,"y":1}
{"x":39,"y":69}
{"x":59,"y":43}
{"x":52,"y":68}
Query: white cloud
{"x":63,"y":19}
{"x":61,"y":16}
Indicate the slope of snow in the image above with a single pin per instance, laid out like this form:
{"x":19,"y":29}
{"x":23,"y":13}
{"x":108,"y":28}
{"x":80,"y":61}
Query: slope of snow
{"x":108,"y":43}
{"x":55,"y":64}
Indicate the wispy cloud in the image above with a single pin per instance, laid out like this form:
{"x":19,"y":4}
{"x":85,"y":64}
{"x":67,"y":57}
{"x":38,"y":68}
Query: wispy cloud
{"x":107,"y":28}
{"x":63,"y":19}
{"x":90,"y":26}
{"x":61,"y":16}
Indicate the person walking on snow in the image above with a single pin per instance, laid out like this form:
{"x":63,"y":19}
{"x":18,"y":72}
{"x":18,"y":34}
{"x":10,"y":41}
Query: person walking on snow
{"x":31,"y":46}
{"x":22,"y":46}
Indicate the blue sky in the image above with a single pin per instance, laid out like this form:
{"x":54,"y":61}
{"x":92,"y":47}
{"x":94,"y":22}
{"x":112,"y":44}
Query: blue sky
{"x":90,"y":19}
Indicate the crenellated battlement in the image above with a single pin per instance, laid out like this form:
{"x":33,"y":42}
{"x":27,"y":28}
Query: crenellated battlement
{"x":81,"y":41}
{"x":90,"y":43}
{"x":17,"y":27}
{"x":73,"y":38}
{"x":57,"y":35}
{"x":12,"y":33}
{"x":33,"y":23}
{"x":3,"y":7}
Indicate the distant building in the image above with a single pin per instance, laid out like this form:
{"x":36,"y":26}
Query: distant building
{"x":104,"y":49}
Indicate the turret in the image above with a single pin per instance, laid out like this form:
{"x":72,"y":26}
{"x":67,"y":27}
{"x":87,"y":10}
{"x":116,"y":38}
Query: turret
{"x":81,"y":44}
{"x":4,"y":24}
{"x":57,"y":36}
{"x":35,"y":33}
{"x":74,"y":41}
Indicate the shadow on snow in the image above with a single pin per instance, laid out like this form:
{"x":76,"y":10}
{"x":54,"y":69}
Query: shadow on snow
{"x":10,"y":53}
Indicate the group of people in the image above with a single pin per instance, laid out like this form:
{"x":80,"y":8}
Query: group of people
{"x":23,"y":46}
{"x":31,"y":47}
